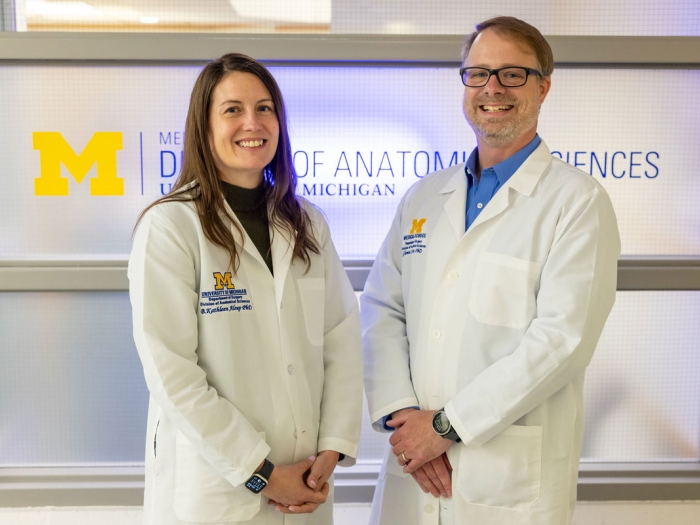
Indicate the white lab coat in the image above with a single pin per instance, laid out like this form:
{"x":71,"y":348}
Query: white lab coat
{"x":497,"y":325}
{"x":278,"y":375}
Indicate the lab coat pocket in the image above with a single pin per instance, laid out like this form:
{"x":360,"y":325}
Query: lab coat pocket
{"x":505,"y":471}
{"x":312,"y":293}
{"x":202,"y":495}
{"x":503,"y":292}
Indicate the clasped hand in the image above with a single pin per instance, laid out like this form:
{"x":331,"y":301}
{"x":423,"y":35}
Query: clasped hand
{"x":301,"y":487}
{"x":425,"y":451}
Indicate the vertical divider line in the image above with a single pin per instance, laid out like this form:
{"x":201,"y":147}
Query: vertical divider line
{"x":141,"y":153}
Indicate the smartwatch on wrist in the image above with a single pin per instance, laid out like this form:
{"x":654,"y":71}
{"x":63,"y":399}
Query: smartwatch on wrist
{"x":259,"y":480}
{"x":443,"y":427}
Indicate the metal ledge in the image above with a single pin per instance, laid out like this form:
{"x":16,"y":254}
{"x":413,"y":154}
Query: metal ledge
{"x":638,"y":481}
{"x":341,"y":49}
{"x":56,"y":275}
{"x":667,"y":273}
{"x":95,"y":486}
{"x":66,"y":486}
{"x":200,"y":47}
{"x":634,"y":274}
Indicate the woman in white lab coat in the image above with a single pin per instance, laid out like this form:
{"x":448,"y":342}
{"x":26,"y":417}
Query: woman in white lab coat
{"x":245,"y":322}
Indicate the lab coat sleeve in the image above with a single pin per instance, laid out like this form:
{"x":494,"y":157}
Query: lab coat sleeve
{"x":341,"y":402}
{"x":576,"y":294}
{"x":385,"y":342}
{"x":164,"y":303}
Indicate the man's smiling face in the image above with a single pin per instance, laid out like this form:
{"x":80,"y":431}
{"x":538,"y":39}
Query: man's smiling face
{"x":501,"y":116}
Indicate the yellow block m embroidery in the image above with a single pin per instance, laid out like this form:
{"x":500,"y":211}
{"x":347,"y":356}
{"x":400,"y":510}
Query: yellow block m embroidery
{"x":223,"y":280}
{"x":417,"y":226}
{"x":101,"y":150}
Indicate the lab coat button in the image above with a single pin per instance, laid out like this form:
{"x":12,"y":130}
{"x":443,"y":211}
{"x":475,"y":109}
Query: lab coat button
{"x":429,"y":509}
{"x":437,"y":334}
{"x":290,"y":369}
{"x":453,"y":276}
{"x":479,"y":205}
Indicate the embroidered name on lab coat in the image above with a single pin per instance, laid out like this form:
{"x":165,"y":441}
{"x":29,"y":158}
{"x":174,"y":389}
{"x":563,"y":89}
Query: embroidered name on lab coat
{"x":414,"y":242}
{"x":225,"y":297}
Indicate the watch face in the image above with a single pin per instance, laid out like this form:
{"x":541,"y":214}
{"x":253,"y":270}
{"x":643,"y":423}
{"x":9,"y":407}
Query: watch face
{"x":256,"y":483}
{"x":440,"y":423}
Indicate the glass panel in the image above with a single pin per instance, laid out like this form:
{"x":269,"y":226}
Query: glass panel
{"x":72,"y":391}
{"x":220,"y":16}
{"x":361,"y":137}
{"x":552,"y":17}
{"x":642,"y":390}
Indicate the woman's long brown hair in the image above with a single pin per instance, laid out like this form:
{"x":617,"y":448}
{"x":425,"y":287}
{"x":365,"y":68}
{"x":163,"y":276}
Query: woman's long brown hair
{"x":279,"y":177}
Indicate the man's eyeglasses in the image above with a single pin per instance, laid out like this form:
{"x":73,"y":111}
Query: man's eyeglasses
{"x":507,"y":76}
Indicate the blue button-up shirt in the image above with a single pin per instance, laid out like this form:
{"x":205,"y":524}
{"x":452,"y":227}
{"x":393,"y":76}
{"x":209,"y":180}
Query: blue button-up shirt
{"x":481,"y":191}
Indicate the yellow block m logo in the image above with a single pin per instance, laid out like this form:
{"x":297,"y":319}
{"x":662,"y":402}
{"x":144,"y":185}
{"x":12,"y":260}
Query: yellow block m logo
{"x":101,"y":150}
{"x":223,"y":280}
{"x":417,"y":226}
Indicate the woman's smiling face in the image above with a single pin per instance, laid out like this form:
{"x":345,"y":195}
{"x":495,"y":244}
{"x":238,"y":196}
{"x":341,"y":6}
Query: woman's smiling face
{"x":243,"y":129}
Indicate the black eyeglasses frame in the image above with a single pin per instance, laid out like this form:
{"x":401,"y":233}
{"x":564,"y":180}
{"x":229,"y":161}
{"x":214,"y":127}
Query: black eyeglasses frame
{"x":528,"y":71}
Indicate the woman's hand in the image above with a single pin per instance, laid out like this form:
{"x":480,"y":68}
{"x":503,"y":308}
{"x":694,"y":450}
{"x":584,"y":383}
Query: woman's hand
{"x":288,"y":492}
{"x":322,"y":469}
{"x":316,"y":477}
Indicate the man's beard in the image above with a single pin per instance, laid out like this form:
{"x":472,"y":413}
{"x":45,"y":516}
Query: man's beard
{"x":502,"y":133}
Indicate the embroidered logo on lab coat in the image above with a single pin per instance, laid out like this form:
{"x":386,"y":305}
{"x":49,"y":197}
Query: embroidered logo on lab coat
{"x":225,"y":297}
{"x":414,"y":242}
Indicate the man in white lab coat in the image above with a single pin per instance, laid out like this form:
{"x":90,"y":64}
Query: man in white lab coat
{"x":483,"y":309}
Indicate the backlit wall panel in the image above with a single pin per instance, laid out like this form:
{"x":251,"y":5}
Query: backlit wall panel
{"x":551,"y":17}
{"x":642,"y":394}
{"x":72,"y":391}
{"x":361,"y":136}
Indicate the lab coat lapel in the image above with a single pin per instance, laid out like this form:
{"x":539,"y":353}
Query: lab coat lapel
{"x":281,"y":246}
{"x":523,"y":181}
{"x":455,"y":206}
{"x":496,"y":205}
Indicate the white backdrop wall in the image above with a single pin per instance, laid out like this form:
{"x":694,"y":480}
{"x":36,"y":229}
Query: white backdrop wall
{"x":72,"y":392}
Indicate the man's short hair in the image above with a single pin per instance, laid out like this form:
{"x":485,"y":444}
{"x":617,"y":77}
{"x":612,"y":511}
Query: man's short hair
{"x":522,"y":33}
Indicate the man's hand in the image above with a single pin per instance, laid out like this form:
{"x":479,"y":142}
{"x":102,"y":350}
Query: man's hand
{"x":398,"y":415}
{"x":322,"y":469}
{"x":288,"y":492}
{"x":416,"y":439}
{"x":435,"y":477}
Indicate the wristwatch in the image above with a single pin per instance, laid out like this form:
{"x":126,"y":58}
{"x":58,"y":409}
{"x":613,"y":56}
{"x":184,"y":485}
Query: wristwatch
{"x":443,"y":427}
{"x":258,"y":481}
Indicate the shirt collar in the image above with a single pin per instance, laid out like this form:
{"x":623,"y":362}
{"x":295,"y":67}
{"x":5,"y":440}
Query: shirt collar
{"x":505,"y":169}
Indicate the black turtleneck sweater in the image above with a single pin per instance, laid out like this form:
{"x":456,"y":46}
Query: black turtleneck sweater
{"x":251,"y":210}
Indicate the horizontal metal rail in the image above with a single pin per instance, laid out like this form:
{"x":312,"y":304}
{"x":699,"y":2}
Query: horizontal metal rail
{"x":97,"y":486}
{"x":324,"y":49}
{"x":634,"y":274}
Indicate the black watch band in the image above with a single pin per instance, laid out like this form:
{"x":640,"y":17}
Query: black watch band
{"x":259,"y":480}
{"x":266,"y":469}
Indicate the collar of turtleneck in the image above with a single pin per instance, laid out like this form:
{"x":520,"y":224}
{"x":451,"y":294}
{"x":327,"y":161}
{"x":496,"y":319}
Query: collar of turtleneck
{"x":243,"y":199}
